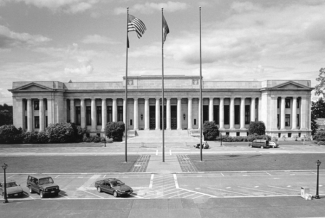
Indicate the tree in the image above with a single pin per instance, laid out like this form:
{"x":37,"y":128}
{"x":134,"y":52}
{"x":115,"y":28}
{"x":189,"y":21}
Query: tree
{"x":317,"y":111}
{"x":6,"y":115}
{"x":210,"y":130}
{"x":257,"y":127}
{"x":115,"y":130}
{"x":321,"y":79}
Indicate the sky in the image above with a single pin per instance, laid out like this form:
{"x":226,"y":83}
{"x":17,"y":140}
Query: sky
{"x":85,"y":40}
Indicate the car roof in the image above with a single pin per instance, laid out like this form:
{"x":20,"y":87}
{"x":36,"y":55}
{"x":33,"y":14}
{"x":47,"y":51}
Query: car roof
{"x":109,"y":179}
{"x":40,"y":176}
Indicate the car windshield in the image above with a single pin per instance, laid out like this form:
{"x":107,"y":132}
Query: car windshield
{"x":116,"y":183}
{"x":11,"y":184}
{"x":46,"y":181}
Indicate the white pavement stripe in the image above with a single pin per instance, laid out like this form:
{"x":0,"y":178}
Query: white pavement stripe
{"x":92,"y":194}
{"x":261,"y":190}
{"x":176,"y":182}
{"x":151,"y":180}
{"x":197,"y":192}
{"x":284,"y":188}
{"x":223,"y":190}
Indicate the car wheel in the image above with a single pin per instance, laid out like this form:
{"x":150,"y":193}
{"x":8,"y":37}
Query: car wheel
{"x":99,"y":189}
{"x":115,"y":194}
{"x":30,"y":190}
{"x":41,"y":194}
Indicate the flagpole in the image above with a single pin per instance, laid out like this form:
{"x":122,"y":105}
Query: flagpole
{"x":201,"y":102}
{"x":162,"y":78}
{"x":126,"y":87}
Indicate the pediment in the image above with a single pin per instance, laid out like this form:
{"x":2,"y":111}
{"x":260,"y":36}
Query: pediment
{"x":33,"y":87}
{"x":290,"y":85}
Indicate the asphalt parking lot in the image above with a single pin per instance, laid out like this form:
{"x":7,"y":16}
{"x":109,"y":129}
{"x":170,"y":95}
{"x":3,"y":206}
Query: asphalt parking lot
{"x":195,"y":186}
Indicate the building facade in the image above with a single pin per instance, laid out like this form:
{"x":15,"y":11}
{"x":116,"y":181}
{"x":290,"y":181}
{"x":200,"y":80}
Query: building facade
{"x":283,"y":105}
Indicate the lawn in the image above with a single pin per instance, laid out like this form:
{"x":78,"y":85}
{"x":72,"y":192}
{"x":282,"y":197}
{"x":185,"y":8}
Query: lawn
{"x":257,"y":162}
{"x":69,"y":164}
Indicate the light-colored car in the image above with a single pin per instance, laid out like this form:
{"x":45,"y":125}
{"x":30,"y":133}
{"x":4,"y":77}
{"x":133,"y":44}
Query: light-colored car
{"x":13,"y":190}
{"x":273,"y":144}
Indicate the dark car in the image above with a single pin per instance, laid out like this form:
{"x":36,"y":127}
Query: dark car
{"x":113,"y":186}
{"x":13,"y":190}
{"x":259,"y":143}
{"x":42,"y":185}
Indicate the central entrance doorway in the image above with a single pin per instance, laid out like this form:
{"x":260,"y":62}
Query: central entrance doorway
{"x":152,"y":117}
{"x":173,"y":114}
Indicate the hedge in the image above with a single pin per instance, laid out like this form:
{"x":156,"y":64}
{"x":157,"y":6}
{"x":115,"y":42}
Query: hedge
{"x":249,"y":138}
{"x":210,"y":130}
{"x":115,"y":130}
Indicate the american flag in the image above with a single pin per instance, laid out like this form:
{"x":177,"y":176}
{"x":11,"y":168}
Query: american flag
{"x":165,"y":28}
{"x":136,"y":25}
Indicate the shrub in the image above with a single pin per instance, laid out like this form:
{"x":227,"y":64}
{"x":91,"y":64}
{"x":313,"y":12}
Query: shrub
{"x":321,"y":143}
{"x":10,"y":134}
{"x":257,"y":127}
{"x":60,"y":133}
{"x":115,"y":130}
{"x":248,"y":138}
{"x":79,"y":132}
{"x":42,"y":137}
{"x":29,"y":137}
{"x":319,"y":136}
{"x":210,"y":130}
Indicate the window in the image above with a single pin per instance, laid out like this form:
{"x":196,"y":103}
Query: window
{"x":278,"y":103}
{"x":78,"y":115}
{"x":289,"y":134}
{"x":287,"y":103}
{"x":194,"y":121}
{"x":298,"y":103}
{"x":237,"y":114}
{"x":46,"y":122}
{"x":278,"y":121}
{"x":99,"y":115}
{"x":130,"y":122}
{"x":298,"y":121}
{"x":247,"y":114}
{"x":109,"y":114}
{"x":226,"y":114}
{"x":36,"y":105}
{"x":88,"y":115}
{"x":227,"y":133}
{"x":237,"y":133}
{"x":287,"y":120}
{"x":36,"y":122}
{"x":119,"y":113}
{"x":45,"y":104}
{"x":25,"y":105}
{"x":26,"y":122}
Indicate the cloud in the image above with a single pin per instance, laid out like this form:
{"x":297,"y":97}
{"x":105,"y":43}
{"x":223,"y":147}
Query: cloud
{"x":97,"y":39}
{"x":10,"y":38}
{"x":244,"y":7}
{"x":85,"y":68}
{"x":68,"y":6}
{"x":149,"y":7}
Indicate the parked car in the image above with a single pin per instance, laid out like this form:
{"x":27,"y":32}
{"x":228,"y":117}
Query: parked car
{"x":13,"y":190}
{"x":113,"y":186}
{"x":43,"y":185}
{"x":273,"y":144}
{"x":259,"y":143}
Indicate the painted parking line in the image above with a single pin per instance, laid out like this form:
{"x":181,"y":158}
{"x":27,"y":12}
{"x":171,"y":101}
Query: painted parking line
{"x":256,"y":189}
{"x":228,"y":191}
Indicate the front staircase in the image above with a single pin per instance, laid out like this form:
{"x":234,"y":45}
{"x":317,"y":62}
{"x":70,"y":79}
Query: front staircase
{"x":155,"y":136}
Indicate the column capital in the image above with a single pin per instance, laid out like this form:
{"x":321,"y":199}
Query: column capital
{"x":136,"y":98}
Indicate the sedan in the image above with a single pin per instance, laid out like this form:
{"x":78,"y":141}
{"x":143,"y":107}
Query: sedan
{"x":13,"y":190}
{"x":273,"y":144}
{"x":113,"y":186}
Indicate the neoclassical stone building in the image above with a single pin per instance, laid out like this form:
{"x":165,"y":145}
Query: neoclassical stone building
{"x":283,"y":105}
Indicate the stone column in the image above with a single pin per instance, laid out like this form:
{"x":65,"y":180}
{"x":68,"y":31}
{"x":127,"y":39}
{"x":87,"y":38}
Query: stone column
{"x":29,"y":115}
{"x":114,"y":109}
{"x":253,"y":110}
{"x":124,"y":113}
{"x":211,"y":109}
{"x":93,"y":114}
{"x":157,"y":113}
{"x":72,"y":111}
{"x":294,"y":113}
{"x":189,"y":116}
{"x":179,"y":113}
{"x":221,"y":114}
{"x":104,"y":114}
{"x":146,"y":113}
{"x":199,"y":114}
{"x":232,"y":113}
{"x":41,"y":115}
{"x":83,"y":113}
{"x":303,"y":113}
{"x":168,"y":114}
{"x":282,"y":120}
{"x":136,"y":114}
{"x":242,"y":113}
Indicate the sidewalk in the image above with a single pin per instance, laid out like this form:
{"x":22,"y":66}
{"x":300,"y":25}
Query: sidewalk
{"x":171,"y":164}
